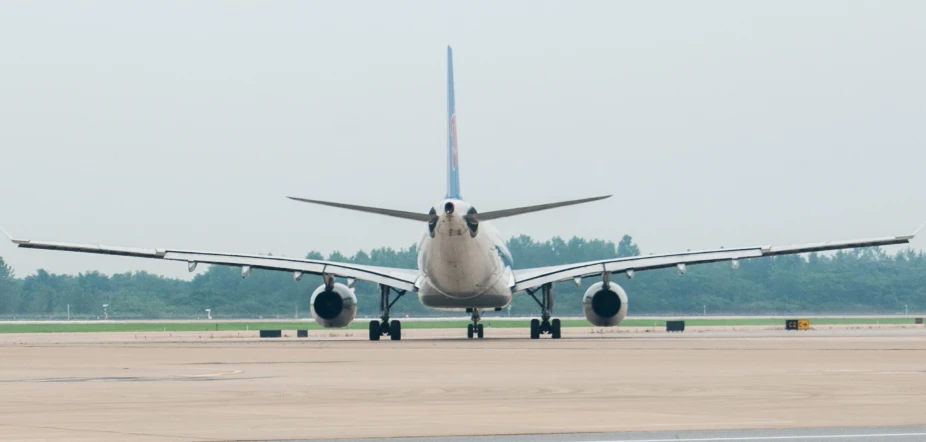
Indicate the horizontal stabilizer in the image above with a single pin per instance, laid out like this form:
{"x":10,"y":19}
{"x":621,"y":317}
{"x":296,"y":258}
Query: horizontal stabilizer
{"x":496,"y":214}
{"x":388,"y":212}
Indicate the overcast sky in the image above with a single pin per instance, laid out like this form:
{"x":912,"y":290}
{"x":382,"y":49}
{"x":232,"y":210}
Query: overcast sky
{"x":185,"y":124}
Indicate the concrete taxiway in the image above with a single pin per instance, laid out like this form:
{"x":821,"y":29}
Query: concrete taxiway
{"x":233,"y":386}
{"x":915,"y":433}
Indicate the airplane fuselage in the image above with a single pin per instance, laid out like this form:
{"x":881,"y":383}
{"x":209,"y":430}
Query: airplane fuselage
{"x":464,"y":264}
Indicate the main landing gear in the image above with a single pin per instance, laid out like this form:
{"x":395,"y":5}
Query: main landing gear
{"x":385,"y":326}
{"x":544,"y":325}
{"x":475,"y":328}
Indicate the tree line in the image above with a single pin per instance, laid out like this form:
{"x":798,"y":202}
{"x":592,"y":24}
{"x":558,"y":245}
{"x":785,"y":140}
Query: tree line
{"x":858,"y":281}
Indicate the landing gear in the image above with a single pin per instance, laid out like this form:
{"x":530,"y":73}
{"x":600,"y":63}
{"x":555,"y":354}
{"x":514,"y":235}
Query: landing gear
{"x":551,"y":327}
{"x":545,"y":325}
{"x":474,"y":329}
{"x":384,"y":326}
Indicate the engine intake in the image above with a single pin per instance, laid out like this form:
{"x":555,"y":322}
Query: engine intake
{"x":605,"y":307}
{"x":334,"y":308}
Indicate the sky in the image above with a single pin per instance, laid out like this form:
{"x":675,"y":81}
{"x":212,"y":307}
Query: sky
{"x":177,"y":124}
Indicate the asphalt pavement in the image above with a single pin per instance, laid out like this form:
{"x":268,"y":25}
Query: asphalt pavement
{"x":856,"y":434}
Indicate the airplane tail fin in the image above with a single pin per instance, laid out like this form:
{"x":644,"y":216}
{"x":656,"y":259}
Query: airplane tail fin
{"x":453,"y":175}
{"x":453,"y":171}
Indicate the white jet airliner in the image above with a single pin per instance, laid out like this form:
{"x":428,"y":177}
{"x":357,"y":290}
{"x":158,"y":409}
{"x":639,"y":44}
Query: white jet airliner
{"x":463,"y":262}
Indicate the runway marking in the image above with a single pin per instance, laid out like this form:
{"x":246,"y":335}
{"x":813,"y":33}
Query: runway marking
{"x":214,"y":375}
{"x":87,"y":430}
{"x":709,"y":425}
{"x":794,"y":437}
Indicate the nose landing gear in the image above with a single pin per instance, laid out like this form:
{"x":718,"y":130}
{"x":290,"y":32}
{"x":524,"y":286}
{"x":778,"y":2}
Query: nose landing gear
{"x":545,"y":325}
{"x":474,"y":329}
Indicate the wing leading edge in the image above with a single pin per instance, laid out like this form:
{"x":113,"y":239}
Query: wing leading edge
{"x":402,"y":279}
{"x":532,"y":278}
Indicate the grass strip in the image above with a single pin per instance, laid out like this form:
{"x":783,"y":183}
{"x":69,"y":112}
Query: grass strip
{"x":361,"y":324}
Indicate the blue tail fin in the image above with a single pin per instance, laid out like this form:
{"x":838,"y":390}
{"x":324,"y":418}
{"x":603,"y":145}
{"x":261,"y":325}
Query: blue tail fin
{"x":453,"y":163}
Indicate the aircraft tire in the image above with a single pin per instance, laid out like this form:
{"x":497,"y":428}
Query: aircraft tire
{"x":469,"y":331}
{"x":555,"y":329}
{"x":479,"y":331}
{"x":374,"y":330}
{"x":535,"y":329}
{"x":395,"y":330}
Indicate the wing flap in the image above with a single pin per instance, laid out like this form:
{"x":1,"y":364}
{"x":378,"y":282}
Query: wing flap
{"x":402,"y":279}
{"x":536,"y":277}
{"x":835,"y":245}
{"x":89,"y":248}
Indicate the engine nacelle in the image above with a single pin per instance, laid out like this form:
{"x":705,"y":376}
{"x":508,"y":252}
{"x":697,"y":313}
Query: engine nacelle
{"x":605,"y":307}
{"x":334,"y":308}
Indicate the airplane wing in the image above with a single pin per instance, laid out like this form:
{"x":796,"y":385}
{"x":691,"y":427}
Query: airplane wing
{"x":401,"y":279}
{"x":528,"y":279}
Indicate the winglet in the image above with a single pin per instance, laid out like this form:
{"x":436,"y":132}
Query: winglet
{"x":7,"y":234}
{"x":917,"y":232}
{"x":18,"y":242}
{"x":912,"y":235}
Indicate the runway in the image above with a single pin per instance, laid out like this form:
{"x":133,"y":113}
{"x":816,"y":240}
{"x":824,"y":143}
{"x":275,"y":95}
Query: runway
{"x":914,"y":433}
{"x":589,"y":386}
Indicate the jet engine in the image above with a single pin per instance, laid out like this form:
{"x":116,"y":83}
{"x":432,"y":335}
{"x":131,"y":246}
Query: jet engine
{"x":605,"y":306}
{"x":335,"y":307}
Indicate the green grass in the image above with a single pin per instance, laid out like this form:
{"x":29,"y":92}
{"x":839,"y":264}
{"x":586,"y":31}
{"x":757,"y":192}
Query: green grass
{"x":362,"y":324}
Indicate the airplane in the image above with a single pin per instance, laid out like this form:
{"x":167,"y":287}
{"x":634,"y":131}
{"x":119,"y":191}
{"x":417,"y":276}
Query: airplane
{"x":463,"y":263}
